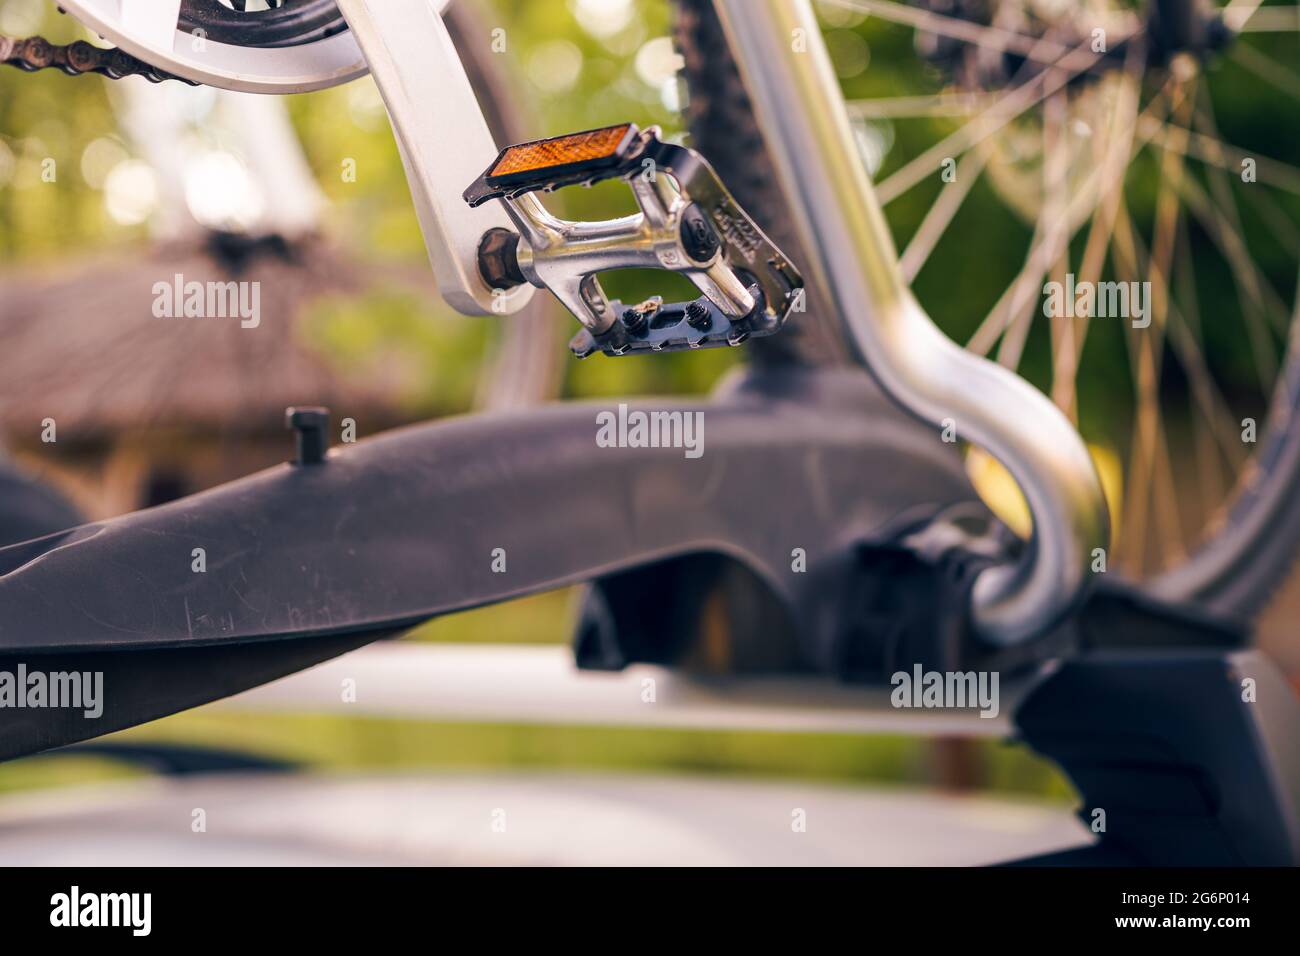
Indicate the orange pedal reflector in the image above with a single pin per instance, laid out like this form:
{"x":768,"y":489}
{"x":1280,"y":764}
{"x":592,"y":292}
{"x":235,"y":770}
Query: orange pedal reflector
{"x":592,"y":149}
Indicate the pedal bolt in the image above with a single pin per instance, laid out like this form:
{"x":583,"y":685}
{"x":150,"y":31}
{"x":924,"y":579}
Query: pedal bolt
{"x":697,"y":316}
{"x":634,"y":320}
{"x":498,"y":259}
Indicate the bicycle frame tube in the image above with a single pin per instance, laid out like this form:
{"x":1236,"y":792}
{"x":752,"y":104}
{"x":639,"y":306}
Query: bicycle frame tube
{"x":443,"y":138}
{"x":800,"y":109}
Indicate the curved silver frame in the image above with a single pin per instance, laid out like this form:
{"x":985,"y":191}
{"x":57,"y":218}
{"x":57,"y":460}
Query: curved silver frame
{"x":805,"y":124}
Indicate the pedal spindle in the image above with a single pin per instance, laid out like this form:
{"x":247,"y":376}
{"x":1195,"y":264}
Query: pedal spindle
{"x":688,"y":223}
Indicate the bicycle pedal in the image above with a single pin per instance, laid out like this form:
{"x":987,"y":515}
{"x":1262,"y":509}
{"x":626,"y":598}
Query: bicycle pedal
{"x":688,"y":223}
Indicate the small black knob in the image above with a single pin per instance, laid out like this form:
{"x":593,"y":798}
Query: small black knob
{"x":310,"y":426}
{"x":634,"y":320}
{"x":697,"y":316}
{"x":698,"y":238}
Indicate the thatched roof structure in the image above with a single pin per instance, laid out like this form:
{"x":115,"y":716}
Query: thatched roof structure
{"x":84,"y":347}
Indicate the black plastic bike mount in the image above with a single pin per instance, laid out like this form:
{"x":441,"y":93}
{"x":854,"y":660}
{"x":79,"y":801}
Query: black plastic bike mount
{"x":1184,"y":747}
{"x":796,"y":542}
{"x":304,"y":562}
{"x":29,"y":509}
{"x":1181,"y":757}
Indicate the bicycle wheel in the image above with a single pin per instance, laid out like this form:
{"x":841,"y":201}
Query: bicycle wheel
{"x":1004,"y":123}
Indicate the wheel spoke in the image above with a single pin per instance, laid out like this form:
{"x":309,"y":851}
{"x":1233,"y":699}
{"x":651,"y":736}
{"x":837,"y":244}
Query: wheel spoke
{"x":1281,"y":227}
{"x":1068,"y":338}
{"x":1210,"y":150}
{"x":1244,"y":278}
{"x":1209,"y":399}
{"x":1267,"y":69}
{"x":1081,"y":208}
{"x":941,"y":213}
{"x":1002,"y":112}
{"x":1019,"y":296}
{"x":1149,"y":455}
{"x":1115,"y":157}
{"x":1055,"y":144}
{"x":1023,"y":291}
{"x":1260,"y":19}
{"x":1168,"y":504}
{"x":1158,"y":263}
{"x":1237,"y":12}
{"x":979,"y":34}
{"x":911,"y":107}
{"x":1226,"y":203}
{"x":1210,"y":485}
{"x":1252,"y":285}
{"x":1172,"y":172}
{"x":1053,"y":225}
{"x":1187,"y":340}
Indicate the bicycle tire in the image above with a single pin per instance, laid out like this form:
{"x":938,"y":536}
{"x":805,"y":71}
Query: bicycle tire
{"x":1236,"y":570}
{"x":722,"y":127}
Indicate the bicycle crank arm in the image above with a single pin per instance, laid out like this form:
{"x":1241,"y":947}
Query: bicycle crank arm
{"x":203,"y":597}
{"x":688,"y":223}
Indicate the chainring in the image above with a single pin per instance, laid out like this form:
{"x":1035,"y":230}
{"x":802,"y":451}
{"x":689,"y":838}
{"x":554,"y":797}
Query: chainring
{"x":299,"y":46}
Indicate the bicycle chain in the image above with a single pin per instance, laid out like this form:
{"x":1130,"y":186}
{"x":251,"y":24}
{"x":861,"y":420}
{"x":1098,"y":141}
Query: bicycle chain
{"x":78,"y":58}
